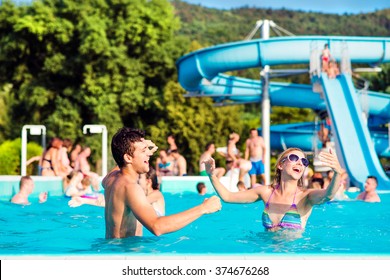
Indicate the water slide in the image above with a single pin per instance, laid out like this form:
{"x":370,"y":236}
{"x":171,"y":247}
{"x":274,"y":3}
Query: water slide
{"x":304,"y":136}
{"x":242,"y":90}
{"x":209,"y":62}
{"x":201,"y":72}
{"x":350,"y":130}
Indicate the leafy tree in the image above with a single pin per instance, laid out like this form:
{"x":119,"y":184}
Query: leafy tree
{"x":194,"y":122}
{"x":381,"y":81}
{"x":10,"y":157}
{"x":71,"y":63}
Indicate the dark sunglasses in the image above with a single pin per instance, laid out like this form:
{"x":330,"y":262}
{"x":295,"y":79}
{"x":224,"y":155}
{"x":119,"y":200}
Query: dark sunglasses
{"x":295,"y":158}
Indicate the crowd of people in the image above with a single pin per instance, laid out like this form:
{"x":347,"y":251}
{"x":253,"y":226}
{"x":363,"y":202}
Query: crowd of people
{"x":61,"y":158}
{"x":170,"y":162}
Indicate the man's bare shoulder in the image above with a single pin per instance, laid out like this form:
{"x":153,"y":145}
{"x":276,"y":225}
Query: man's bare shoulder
{"x":118,"y":178}
{"x":18,"y":199}
{"x":259,"y":138}
{"x":109,"y":178}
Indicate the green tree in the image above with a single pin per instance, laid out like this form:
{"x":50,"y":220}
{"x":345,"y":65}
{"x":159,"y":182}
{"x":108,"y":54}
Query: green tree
{"x":10,"y":157}
{"x":71,"y":63}
{"x":194,"y":122}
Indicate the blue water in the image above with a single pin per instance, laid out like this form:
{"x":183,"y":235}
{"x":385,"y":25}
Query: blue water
{"x":349,"y":228}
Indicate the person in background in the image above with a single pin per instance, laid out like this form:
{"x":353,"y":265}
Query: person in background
{"x":234,"y":161}
{"x":74,"y":154}
{"x":333,"y":69}
{"x":233,"y":154}
{"x":369,"y":194}
{"x":287,"y":204}
{"x":26,"y":187}
{"x":49,"y":164}
{"x":316,"y":183}
{"x":255,"y":152}
{"x":82,"y":165}
{"x":209,"y":152}
{"x":201,"y":188}
{"x":307,"y":175}
{"x":325,"y":57}
{"x":63,"y":157}
{"x":328,"y":178}
{"x":172,"y":143}
{"x":179,"y":164}
{"x":83,"y":194}
{"x":324,"y":133}
{"x":126,"y":201}
{"x":79,"y":185}
{"x":150,"y":183}
{"x":344,"y":186}
{"x":164,"y":164}
{"x":241,"y":186}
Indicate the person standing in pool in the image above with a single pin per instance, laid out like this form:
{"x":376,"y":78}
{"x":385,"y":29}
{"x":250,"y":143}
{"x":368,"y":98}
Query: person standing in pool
{"x":369,"y":194}
{"x":287,"y":203}
{"x":126,"y":201}
{"x":26,"y":187}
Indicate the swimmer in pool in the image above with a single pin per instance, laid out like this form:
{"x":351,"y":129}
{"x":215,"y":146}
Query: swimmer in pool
{"x":287,"y":203}
{"x":126,"y":201}
{"x":369,"y":194}
{"x":26,"y":187}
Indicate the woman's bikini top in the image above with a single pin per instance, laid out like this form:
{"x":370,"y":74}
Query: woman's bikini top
{"x":164,"y":165}
{"x":291,"y":219}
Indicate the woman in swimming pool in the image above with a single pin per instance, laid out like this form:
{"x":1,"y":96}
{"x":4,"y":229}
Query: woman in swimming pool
{"x":287,"y":203}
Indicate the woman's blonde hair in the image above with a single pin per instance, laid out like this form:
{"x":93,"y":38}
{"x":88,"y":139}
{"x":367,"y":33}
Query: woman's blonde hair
{"x":278,"y":172}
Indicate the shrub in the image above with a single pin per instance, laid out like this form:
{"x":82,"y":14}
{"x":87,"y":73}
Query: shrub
{"x":10,"y":157}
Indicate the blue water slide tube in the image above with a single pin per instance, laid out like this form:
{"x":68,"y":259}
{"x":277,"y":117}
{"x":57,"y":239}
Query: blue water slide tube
{"x":209,"y":62}
{"x":304,"y":136}
{"x":351,"y":134}
{"x":237,"y":89}
{"x":200,"y":70}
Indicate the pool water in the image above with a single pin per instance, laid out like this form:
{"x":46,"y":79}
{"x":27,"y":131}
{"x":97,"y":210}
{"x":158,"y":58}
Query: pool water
{"x":349,"y":228}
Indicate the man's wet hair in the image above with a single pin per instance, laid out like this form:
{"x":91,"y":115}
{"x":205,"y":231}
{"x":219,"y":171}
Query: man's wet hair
{"x":200,"y":186}
{"x":123,"y":143}
{"x":373,"y":177}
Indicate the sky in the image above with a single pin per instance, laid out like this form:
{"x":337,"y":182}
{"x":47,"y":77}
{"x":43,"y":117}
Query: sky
{"x":327,"y":6}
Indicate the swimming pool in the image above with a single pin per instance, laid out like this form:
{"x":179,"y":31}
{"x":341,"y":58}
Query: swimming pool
{"x":53,"y":229}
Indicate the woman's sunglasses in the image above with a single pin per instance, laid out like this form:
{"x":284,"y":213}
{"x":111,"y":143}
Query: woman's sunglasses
{"x":295,"y":158}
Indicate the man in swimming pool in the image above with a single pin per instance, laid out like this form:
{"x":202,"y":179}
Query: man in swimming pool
{"x":126,"y":201}
{"x":369,"y":194}
{"x":26,"y":187}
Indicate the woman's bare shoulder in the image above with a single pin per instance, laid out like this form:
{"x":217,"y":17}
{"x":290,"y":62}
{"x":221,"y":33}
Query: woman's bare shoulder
{"x":262,"y":189}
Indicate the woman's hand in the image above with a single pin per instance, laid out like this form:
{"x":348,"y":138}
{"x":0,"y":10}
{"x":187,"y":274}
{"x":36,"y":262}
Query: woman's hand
{"x":209,"y":164}
{"x":152,"y":147}
{"x":331,"y":160}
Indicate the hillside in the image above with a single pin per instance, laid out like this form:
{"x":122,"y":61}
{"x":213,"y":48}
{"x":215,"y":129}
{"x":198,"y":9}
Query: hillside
{"x":207,"y":26}
{"x":212,"y":26}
